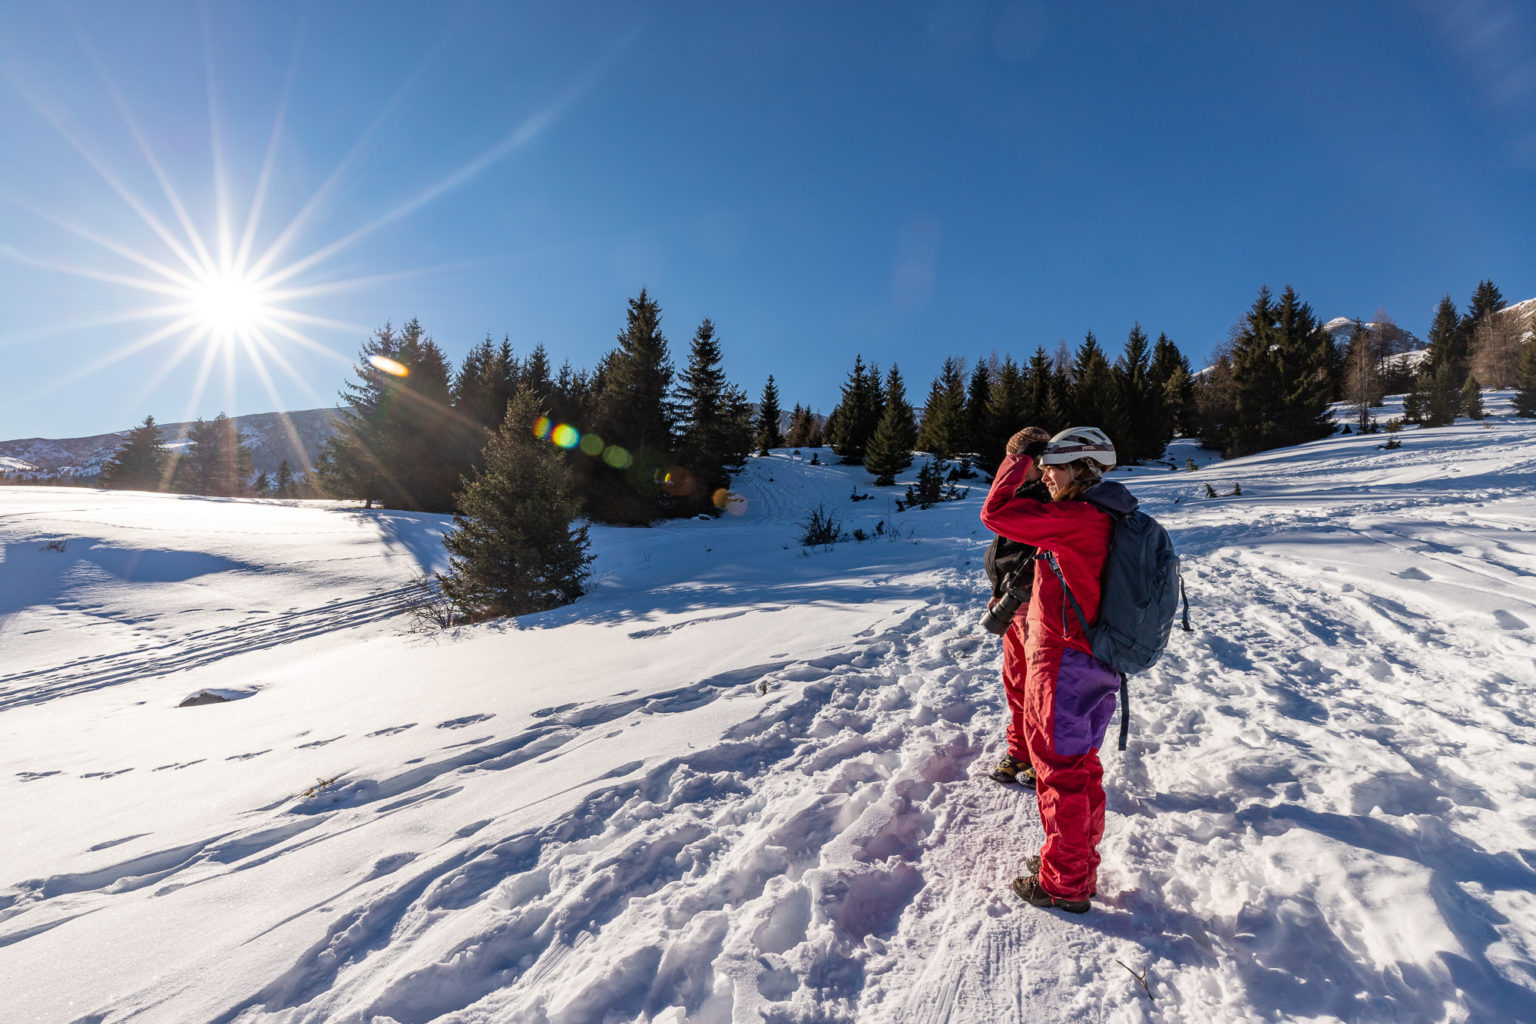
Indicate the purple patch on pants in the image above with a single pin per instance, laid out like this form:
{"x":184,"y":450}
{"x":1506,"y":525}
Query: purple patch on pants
{"x":1085,"y":702}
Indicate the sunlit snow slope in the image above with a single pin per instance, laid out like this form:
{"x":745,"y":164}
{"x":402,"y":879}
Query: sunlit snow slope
{"x":741,"y":781}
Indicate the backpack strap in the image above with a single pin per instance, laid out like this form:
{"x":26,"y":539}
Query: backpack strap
{"x":1050,"y":560}
{"x":1125,"y":708}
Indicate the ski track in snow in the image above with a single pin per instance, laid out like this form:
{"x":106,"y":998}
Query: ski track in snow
{"x":1306,"y":825}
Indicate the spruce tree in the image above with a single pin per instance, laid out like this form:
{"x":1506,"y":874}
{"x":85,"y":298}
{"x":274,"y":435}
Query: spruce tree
{"x":1486,"y":301}
{"x":1308,"y":371}
{"x":396,"y":445}
{"x":890,"y":448}
{"x":139,"y":463}
{"x":853,"y":422}
{"x":715,"y":431}
{"x":215,"y":461}
{"x":768,"y":434}
{"x":534,"y":374}
{"x":1006,"y":414}
{"x":978,"y":398}
{"x":285,"y":487}
{"x":1281,"y":376}
{"x":631,"y":388}
{"x":799,"y":427}
{"x":1525,"y":387}
{"x":1170,"y":372}
{"x":942,"y":431}
{"x":1093,"y":388}
{"x":1440,"y":397}
{"x":1140,"y":426}
{"x":1472,"y":399}
{"x":514,"y":547}
{"x":1448,"y":341}
{"x":1042,"y":403}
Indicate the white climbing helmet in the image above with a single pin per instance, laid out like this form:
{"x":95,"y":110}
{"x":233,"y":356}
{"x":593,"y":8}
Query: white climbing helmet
{"x":1079,"y":443}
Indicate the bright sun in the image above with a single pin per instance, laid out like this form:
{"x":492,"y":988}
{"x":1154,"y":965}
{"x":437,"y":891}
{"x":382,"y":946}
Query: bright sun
{"x":228,"y":304}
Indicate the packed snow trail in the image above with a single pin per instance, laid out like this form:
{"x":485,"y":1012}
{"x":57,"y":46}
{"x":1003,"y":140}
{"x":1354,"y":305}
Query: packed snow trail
{"x":746,"y":783}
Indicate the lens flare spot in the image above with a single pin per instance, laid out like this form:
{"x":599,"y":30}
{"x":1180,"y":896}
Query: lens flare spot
{"x":542,"y":427}
{"x":592,"y":445}
{"x":617,"y":457}
{"x":565,"y":436}
{"x":384,"y":364}
{"x":679,"y":482}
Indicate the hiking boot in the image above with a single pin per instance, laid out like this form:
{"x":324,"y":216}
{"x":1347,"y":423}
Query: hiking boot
{"x":1027,"y":888}
{"x":1011,"y":769}
{"x":1027,"y":777}
{"x":1032,"y":865}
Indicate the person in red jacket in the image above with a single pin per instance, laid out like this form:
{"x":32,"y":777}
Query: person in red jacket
{"x":1069,"y":696}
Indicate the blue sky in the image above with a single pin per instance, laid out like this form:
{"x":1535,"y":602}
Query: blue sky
{"x":905,"y":181}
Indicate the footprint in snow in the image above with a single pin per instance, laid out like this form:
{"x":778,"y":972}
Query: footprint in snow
{"x":1412,"y":573}
{"x":459,"y":723}
{"x":1508,"y":621}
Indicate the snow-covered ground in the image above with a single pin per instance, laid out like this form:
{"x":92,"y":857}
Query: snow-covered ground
{"x":740,"y":781}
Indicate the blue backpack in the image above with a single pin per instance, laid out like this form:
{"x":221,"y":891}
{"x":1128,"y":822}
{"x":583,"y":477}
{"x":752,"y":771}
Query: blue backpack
{"x":1140,"y":591}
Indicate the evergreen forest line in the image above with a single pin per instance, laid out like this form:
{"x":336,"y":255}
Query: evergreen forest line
{"x":525,"y":456}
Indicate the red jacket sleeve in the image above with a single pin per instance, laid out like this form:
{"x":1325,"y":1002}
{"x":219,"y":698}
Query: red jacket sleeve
{"x":1025,"y":520}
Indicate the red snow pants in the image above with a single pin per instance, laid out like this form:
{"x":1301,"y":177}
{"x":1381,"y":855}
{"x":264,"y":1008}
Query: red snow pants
{"x":1069,"y":698}
{"x":1014,"y":686}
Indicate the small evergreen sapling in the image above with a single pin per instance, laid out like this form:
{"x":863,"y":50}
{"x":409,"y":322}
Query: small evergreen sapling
{"x":514,"y":548}
{"x":1472,"y":398}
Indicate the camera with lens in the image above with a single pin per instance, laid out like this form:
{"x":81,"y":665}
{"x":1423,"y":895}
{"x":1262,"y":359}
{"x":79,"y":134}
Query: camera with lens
{"x":1002,"y":611}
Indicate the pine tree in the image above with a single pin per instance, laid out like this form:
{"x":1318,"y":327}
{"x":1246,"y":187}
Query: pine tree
{"x":1281,"y":376}
{"x":853,"y":422}
{"x":1486,"y":301}
{"x":1093,"y":388}
{"x":890,"y":448}
{"x":1140,"y":422}
{"x":978,"y":398}
{"x":715,"y":431}
{"x":514,"y":548}
{"x":1006,"y":413}
{"x":1308,"y":371}
{"x":1216,"y":399}
{"x":1525,"y":387}
{"x":1448,"y":341}
{"x":140,"y":462}
{"x":285,"y":486}
{"x":1170,"y":373}
{"x":942,"y":431}
{"x":799,"y":427}
{"x":1042,"y":401}
{"x":262,"y":485}
{"x":535,"y":373}
{"x":1472,"y":399}
{"x":396,"y":445}
{"x":1440,"y":397}
{"x":215,"y":461}
{"x":768,"y":413}
{"x":631,"y":388}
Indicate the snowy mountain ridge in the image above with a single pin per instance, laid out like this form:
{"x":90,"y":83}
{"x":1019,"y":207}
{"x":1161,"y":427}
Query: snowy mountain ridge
{"x":273,"y":438}
{"x":741,"y":781}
